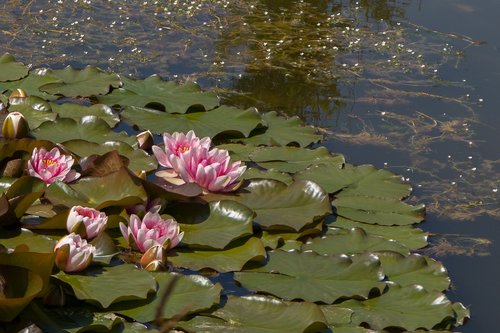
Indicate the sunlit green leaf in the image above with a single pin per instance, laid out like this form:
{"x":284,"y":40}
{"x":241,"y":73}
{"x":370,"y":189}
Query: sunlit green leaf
{"x":223,"y":119}
{"x":32,"y":82}
{"x":191,"y":293}
{"x":36,"y":243}
{"x":81,"y":82}
{"x":35,"y":109}
{"x":76,"y":112}
{"x":173,"y":97}
{"x":313,"y":277}
{"x":230,"y":259}
{"x":280,"y":131}
{"x":259,"y":314}
{"x":254,"y":173}
{"x":10,"y":70}
{"x":107,"y":285}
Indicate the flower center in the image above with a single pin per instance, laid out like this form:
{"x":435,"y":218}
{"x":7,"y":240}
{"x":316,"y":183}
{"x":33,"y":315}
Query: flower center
{"x":48,"y":162}
{"x":182,"y":149}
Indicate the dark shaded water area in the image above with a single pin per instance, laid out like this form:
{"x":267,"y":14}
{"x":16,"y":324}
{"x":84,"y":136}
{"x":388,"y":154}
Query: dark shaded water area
{"x":411,"y":86}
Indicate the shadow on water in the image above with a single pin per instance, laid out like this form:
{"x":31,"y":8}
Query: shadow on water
{"x":404,"y":85}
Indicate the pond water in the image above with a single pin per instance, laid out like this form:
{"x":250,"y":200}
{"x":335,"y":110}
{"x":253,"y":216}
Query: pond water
{"x":411,"y":86}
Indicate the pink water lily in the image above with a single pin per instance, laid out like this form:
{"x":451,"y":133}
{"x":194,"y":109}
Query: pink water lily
{"x":177,"y":145}
{"x":191,"y":160}
{"x":50,"y":166}
{"x":87,"y":222}
{"x":73,"y":254}
{"x":151,"y":230}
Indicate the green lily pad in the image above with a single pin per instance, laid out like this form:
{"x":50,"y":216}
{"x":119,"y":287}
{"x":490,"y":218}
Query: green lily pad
{"x":10,"y":69}
{"x":312,"y":277}
{"x":35,"y":109}
{"x":228,"y":221}
{"x":230,"y":259}
{"x":191,"y":294}
{"x":280,"y":131}
{"x":254,"y":173}
{"x":174,"y":98}
{"x":138,"y":159}
{"x":90,"y":128}
{"x":107,"y":285}
{"x":357,"y":180}
{"x":278,"y":205}
{"x":76,"y":112}
{"x":276,"y":238}
{"x":210,"y":123}
{"x":259,"y":314}
{"x":19,"y":286}
{"x":238,"y":151}
{"x":35,"y":242}
{"x":72,"y":319}
{"x":337,"y":316}
{"x":31,"y":83}
{"x":414,"y":269}
{"x":95,"y":192}
{"x":9,"y":148}
{"x":410,"y":307}
{"x":376,"y":210}
{"x":409,"y":236}
{"x":294,"y":159}
{"x":352,"y":241}
{"x":85,"y":82}
{"x":23,"y":192}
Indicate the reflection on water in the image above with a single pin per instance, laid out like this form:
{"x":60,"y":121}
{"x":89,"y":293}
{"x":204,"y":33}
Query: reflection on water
{"x":382,"y":89}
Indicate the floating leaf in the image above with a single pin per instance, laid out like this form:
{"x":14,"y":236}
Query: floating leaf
{"x":90,"y":128}
{"x":32,"y":82}
{"x":76,"y":112}
{"x":238,"y":151}
{"x":228,"y":221}
{"x":294,"y":159}
{"x":357,"y":180}
{"x":414,"y":269}
{"x":409,"y":236}
{"x":173,"y":97}
{"x":35,"y":109}
{"x":108,"y":285}
{"x":10,"y":69}
{"x":19,"y":286}
{"x":85,"y":82}
{"x":281,"y":131}
{"x":378,"y":210}
{"x":275,"y":237}
{"x":223,"y":119}
{"x":34,"y":242}
{"x":138,"y":159}
{"x":313,"y":277}
{"x":352,"y":241}
{"x":191,"y":293}
{"x":254,"y":173}
{"x":72,"y":319}
{"x":279,"y":205}
{"x":259,"y":314}
{"x":230,"y":259}
{"x":410,"y":307}
{"x":95,"y":191}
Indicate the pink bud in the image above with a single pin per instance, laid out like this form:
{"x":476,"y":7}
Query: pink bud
{"x":87,"y":222}
{"x":73,"y":254}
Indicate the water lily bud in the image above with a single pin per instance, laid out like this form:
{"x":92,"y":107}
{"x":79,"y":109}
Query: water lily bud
{"x":15,"y":126}
{"x":153,"y":259}
{"x":17,"y":94}
{"x":145,"y":140}
{"x":73,"y":254}
{"x":85,"y":221}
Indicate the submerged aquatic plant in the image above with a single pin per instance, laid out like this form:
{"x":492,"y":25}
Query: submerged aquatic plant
{"x":51,"y":165}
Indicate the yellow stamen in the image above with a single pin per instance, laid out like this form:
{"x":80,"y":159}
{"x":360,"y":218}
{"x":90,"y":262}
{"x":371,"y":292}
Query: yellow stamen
{"x":48,"y":162}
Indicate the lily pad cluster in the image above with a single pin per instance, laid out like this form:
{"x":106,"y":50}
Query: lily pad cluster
{"x":307,"y":243}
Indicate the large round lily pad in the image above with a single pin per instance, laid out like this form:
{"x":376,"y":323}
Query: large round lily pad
{"x":10,"y":69}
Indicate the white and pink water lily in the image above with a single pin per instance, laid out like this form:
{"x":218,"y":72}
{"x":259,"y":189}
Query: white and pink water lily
{"x":86,"y":221}
{"x":191,"y":159}
{"x":51,"y":165}
{"x":151,"y":230}
{"x":73,"y":254}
